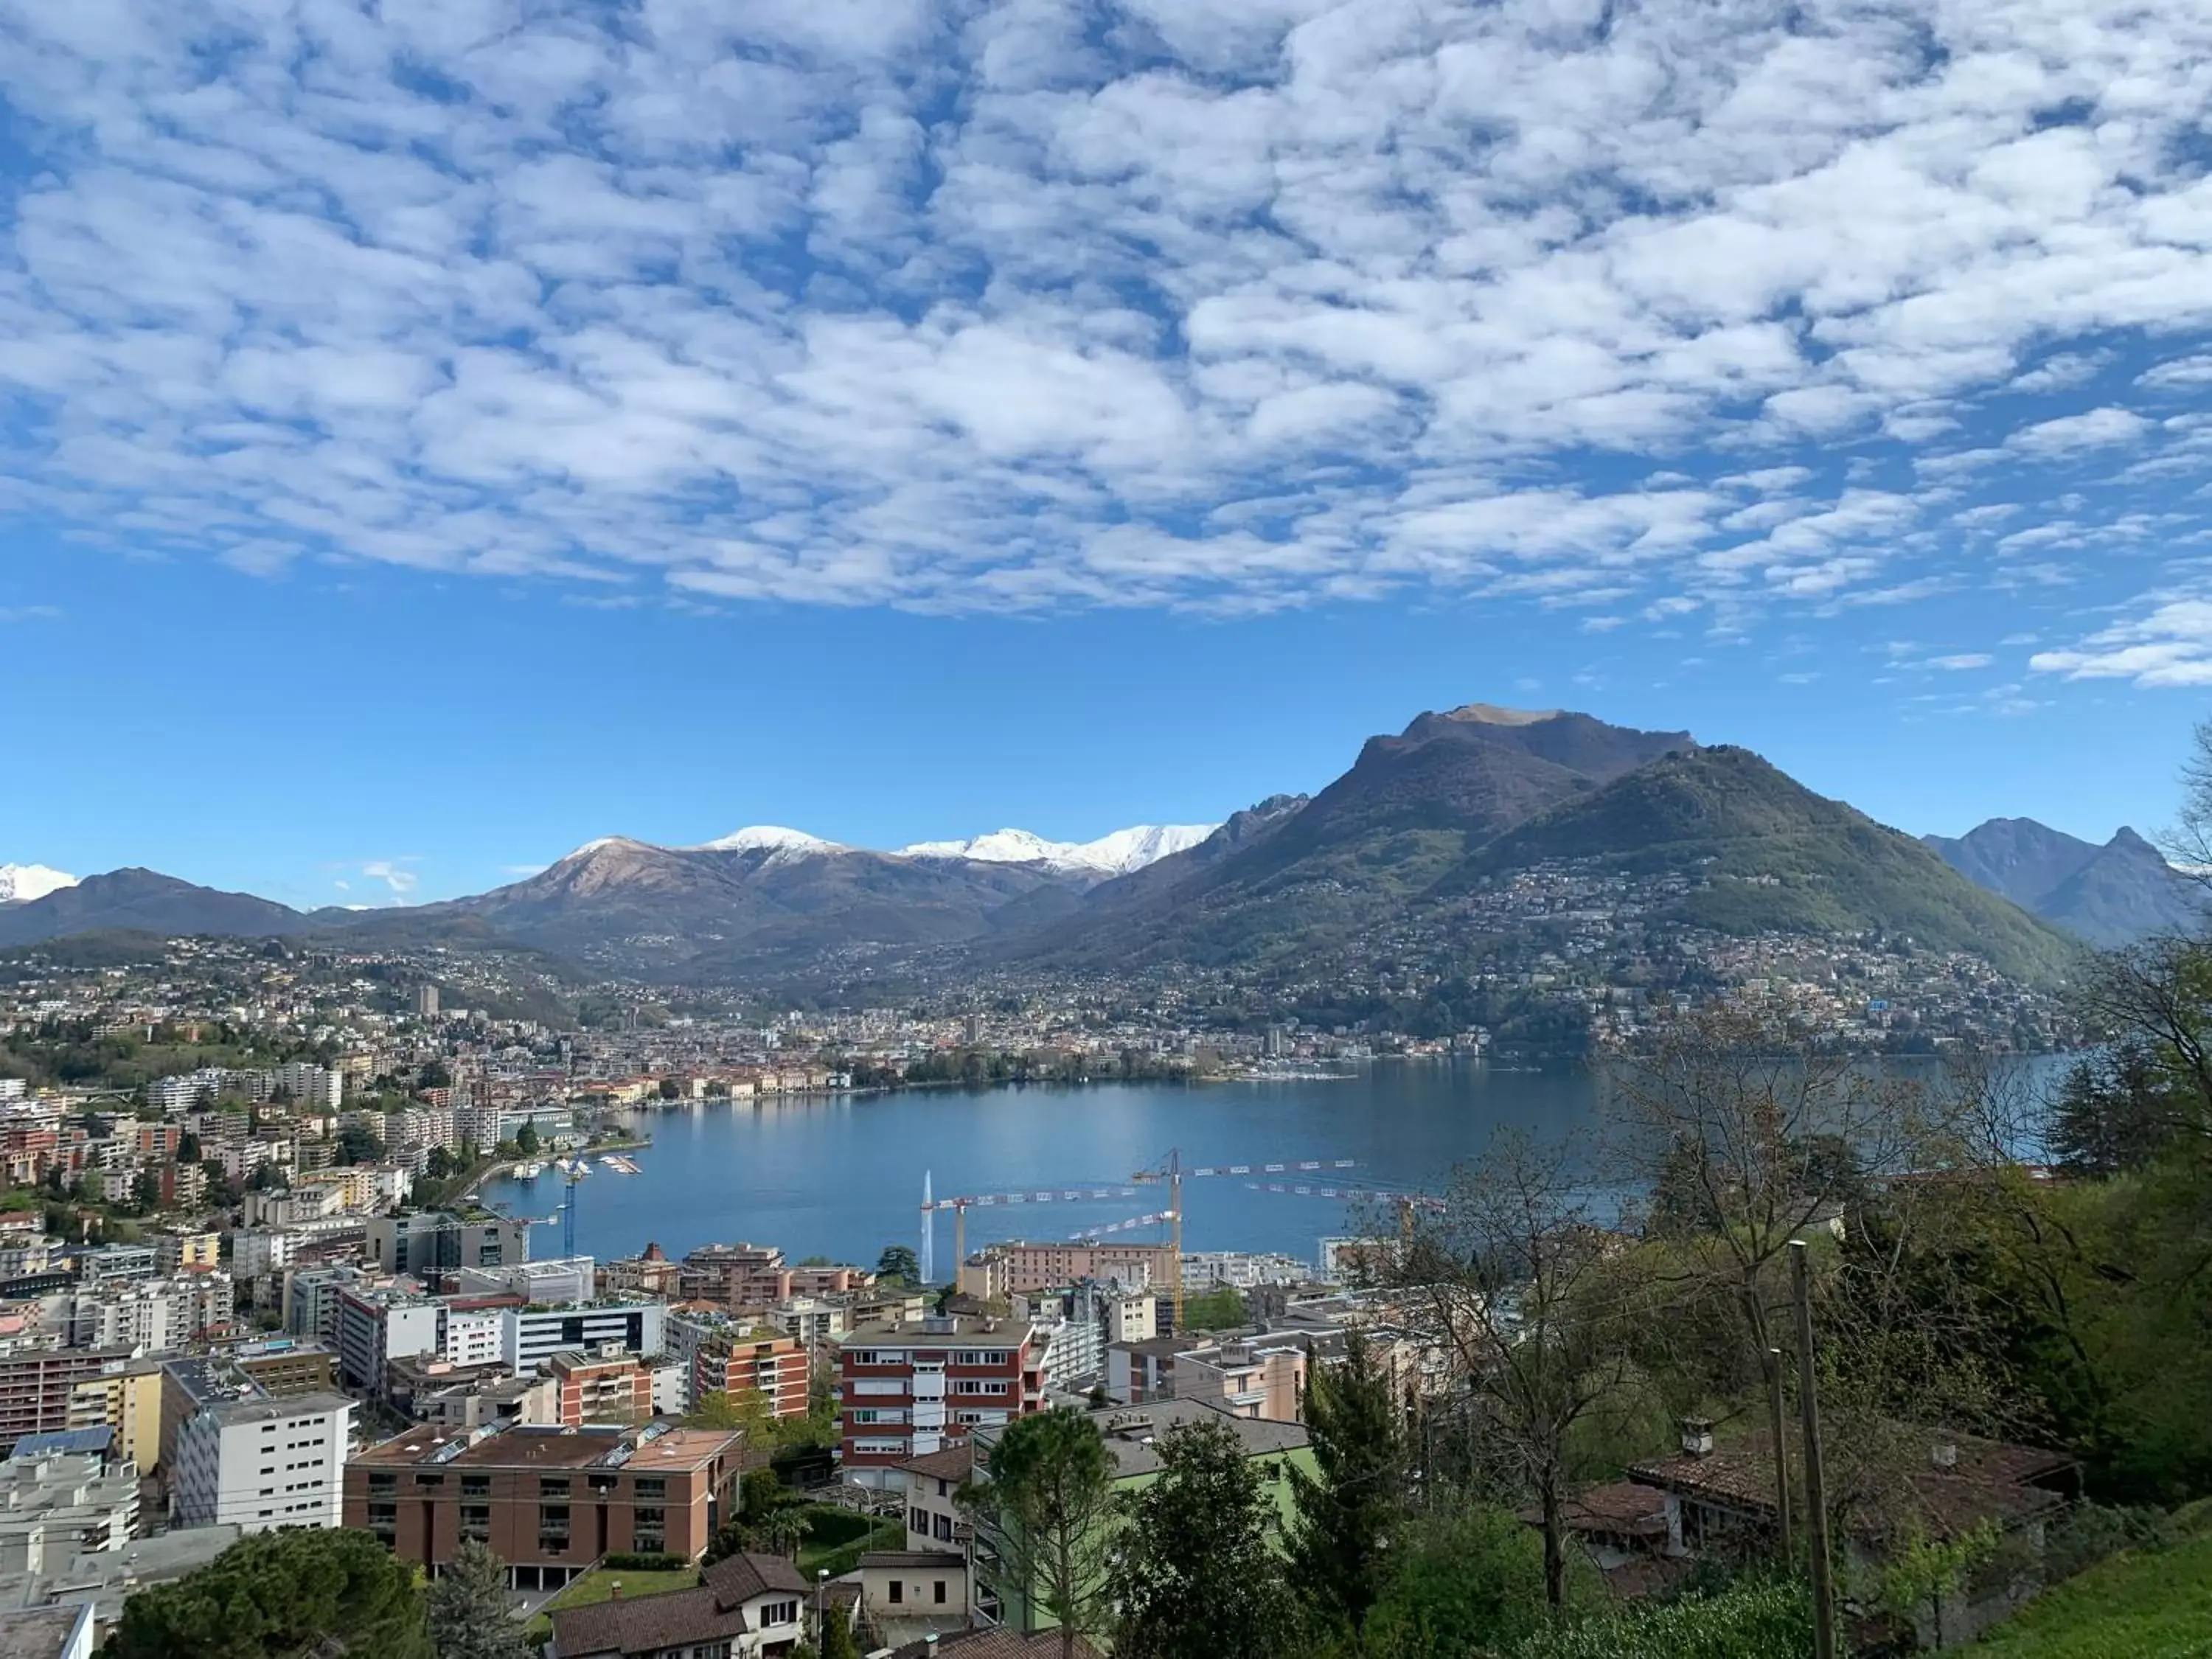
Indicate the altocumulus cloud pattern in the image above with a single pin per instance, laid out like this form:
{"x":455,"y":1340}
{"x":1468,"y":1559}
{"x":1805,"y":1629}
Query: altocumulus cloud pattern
{"x":1685,"y":314}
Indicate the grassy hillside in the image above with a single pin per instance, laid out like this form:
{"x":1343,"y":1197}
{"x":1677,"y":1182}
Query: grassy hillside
{"x":1779,"y":857}
{"x":2138,"y":1606}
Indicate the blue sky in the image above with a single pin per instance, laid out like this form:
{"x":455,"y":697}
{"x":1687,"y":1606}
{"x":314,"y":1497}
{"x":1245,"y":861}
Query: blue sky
{"x":435,"y":434}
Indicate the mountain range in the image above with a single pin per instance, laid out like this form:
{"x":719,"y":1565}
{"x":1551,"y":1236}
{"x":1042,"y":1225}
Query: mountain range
{"x":1459,"y":801}
{"x":2110,"y":895}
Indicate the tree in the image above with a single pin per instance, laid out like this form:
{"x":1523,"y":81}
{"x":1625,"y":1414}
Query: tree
{"x":525,"y":1138}
{"x":470,"y":1616}
{"x":1047,"y":1509}
{"x":358,"y":1145}
{"x":433,"y":1074}
{"x":899,"y":1263}
{"x":1219,"y":1309}
{"x":146,"y":1191}
{"x":1196,"y":1575}
{"x":1509,"y":1278}
{"x":781,"y":1532}
{"x":1469,"y":1581}
{"x":837,"y":1640}
{"x":1345,"y":1514}
{"x":188,"y":1148}
{"x":277,"y":1595}
{"x":439,"y":1166}
{"x":2111,"y":1115}
{"x":671,"y":1090}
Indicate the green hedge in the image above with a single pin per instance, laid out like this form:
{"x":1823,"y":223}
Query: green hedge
{"x":626,"y":1562}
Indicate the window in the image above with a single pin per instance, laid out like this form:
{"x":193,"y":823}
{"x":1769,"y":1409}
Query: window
{"x":944,"y":1532}
{"x":917,"y":1520}
{"x":429,"y":1480}
{"x":978,"y":1385}
{"x":650,"y":1486}
{"x":382,"y":1482}
{"x":475,"y":1486}
{"x":939,"y":1597}
{"x":942,"y":1487}
{"x":553,"y":1486}
{"x":649,"y":1530}
{"x":897,"y":1593}
{"x":778,"y":1612}
{"x":476,"y":1521}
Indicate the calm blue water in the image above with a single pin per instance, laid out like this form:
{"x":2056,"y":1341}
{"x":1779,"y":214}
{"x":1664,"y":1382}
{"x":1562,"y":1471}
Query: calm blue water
{"x":842,"y":1177}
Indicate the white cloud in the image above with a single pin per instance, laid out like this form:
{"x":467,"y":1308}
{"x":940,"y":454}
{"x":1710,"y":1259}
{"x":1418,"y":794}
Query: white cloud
{"x":2069,"y":435}
{"x":2169,"y":645}
{"x":398,"y":879}
{"x":1232,"y":305}
{"x":1961,"y":662}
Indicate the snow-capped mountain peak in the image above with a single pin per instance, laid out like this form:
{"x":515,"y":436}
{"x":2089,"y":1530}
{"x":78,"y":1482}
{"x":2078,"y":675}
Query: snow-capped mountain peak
{"x":1114,"y":854}
{"x":772,"y":837}
{"x":22,"y":883}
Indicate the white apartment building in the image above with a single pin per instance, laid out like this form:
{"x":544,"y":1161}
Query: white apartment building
{"x":264,"y":1464}
{"x":257,"y":1252}
{"x":311,"y":1088}
{"x":151,"y":1313}
{"x":473,"y":1336}
{"x":375,"y":1326}
{"x":531,"y":1336}
{"x":557,"y":1278}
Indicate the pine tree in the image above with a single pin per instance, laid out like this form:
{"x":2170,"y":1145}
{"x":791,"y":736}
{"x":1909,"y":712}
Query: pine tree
{"x":470,"y":1615}
{"x":1348,"y":1509}
{"x":1197,"y":1577}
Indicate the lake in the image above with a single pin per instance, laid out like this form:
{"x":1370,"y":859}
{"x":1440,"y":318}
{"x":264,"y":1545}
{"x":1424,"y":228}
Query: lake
{"x":842,"y":1177}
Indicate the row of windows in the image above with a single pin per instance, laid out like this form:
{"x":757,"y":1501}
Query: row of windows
{"x":479,"y":1485}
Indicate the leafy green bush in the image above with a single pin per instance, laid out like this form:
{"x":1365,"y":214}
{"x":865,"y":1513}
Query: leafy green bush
{"x":1752,"y":1620}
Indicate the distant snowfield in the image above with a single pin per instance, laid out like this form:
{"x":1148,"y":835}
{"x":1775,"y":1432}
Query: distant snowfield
{"x":1114,"y":855}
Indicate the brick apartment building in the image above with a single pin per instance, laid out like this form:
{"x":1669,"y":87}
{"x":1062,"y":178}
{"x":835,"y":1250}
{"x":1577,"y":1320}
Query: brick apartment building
{"x":756,"y":1276}
{"x":773,"y":1367}
{"x":549,"y":1501}
{"x":914,"y":1388}
{"x":606,"y":1387}
{"x":1021,"y":1268}
{"x":35,"y":1388}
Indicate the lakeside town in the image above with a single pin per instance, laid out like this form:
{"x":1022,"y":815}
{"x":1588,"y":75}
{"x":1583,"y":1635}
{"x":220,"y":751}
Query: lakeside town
{"x":246,"y":1287}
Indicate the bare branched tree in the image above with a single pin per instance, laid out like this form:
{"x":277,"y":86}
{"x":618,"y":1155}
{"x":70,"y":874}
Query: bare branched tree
{"x":1508,"y":1275}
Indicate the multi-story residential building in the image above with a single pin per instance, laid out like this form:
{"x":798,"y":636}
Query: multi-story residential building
{"x":155,"y":1313}
{"x":375,"y":1326}
{"x":263,"y":1465}
{"x":260,"y":1252}
{"x":126,"y":1397}
{"x":650,"y":1274}
{"x":1262,"y":1377}
{"x":432,"y":1241}
{"x":549,"y":1501}
{"x":1023,"y":1268}
{"x":911,"y":1388}
{"x":766,"y":1364}
{"x":531,"y":1336}
{"x":311,"y":1088}
{"x":283,"y":1366}
{"x":116,"y":1264}
{"x":608,"y":1386}
{"x":26,"y":1249}
{"x":65,"y":1491}
{"x":559,"y":1279}
{"x":180,"y":1249}
{"x":37,"y":1387}
{"x":436,"y":1391}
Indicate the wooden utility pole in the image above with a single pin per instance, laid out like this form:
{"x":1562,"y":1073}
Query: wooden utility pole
{"x":1816,"y":1481}
{"x":1777,"y":1422}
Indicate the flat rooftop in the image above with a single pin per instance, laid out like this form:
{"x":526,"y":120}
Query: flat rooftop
{"x":534,"y":1448}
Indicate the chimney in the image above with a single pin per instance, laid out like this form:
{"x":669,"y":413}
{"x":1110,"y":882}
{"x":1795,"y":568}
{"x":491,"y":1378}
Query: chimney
{"x":1944,"y":1454}
{"x":1697,"y":1437}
